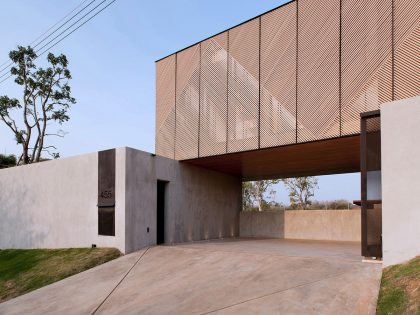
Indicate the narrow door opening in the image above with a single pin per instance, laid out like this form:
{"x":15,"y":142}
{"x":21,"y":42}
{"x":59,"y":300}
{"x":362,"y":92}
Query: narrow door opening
{"x":160,"y":211}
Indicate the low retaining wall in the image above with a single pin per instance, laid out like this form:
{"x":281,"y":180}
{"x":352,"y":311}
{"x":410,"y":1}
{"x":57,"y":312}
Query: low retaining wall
{"x":262,"y":224}
{"x":329,"y":225}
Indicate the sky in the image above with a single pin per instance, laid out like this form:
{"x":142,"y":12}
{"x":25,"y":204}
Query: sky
{"x":112,"y":61}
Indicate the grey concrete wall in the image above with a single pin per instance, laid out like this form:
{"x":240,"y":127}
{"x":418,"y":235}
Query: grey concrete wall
{"x":140,"y":200}
{"x":200,"y":204}
{"x":53,"y":204}
{"x":330,"y":225}
{"x":262,"y":224}
{"x":400,"y":138}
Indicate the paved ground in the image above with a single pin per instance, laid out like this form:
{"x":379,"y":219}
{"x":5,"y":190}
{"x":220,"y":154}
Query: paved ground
{"x":220,"y":277}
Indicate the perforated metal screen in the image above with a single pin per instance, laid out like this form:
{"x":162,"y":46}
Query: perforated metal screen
{"x":187,"y":103}
{"x":299,"y":73}
{"x":407,"y":53}
{"x":165,"y":107}
{"x":318,"y":70}
{"x":278,"y":77}
{"x":366,"y":59}
{"x":243,"y":87}
{"x":213,"y":96}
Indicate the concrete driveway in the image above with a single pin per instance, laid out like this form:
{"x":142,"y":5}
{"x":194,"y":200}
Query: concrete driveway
{"x":240,"y":276}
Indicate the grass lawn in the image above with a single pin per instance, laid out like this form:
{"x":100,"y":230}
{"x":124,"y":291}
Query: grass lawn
{"x":24,"y":270}
{"x":400,"y":289}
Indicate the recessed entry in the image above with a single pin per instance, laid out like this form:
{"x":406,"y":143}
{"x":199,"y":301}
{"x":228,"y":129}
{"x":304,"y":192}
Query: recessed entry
{"x":160,"y":212}
{"x":106,"y":192}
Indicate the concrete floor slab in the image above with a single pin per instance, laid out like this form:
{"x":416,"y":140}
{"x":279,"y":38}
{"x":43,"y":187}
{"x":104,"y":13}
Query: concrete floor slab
{"x":232,"y":276}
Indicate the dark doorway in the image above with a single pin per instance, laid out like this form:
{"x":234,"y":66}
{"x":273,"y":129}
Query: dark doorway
{"x":160,"y":211}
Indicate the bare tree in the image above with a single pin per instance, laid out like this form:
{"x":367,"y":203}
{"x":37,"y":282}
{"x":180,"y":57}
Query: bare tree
{"x":46,"y":98}
{"x":301,"y":189}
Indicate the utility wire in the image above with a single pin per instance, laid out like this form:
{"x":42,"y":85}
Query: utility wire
{"x":77,"y":28}
{"x":5,"y":78}
{"x":78,"y":22}
{"x":35,"y":40}
{"x":71,"y":32}
{"x":49,"y":35}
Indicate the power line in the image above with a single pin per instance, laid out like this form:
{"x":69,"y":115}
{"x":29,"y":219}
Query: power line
{"x":6,"y":78}
{"x":83,"y":2}
{"x":78,"y":22}
{"x":77,"y":27}
{"x":71,"y":32}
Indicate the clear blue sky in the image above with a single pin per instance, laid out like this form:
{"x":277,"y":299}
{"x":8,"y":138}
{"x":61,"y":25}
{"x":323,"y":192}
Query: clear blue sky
{"x":112,"y":63}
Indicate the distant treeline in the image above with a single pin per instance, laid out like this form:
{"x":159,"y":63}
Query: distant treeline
{"x":7,"y":160}
{"x":339,"y":204}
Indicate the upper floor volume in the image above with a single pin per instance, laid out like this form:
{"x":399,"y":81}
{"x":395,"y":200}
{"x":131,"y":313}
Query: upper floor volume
{"x":299,"y":73}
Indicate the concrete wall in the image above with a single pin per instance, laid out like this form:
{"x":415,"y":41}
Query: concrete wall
{"x":400,"y":139}
{"x":200,"y":204}
{"x":53,"y":204}
{"x":262,"y":224}
{"x":140,"y":200}
{"x":330,"y":225}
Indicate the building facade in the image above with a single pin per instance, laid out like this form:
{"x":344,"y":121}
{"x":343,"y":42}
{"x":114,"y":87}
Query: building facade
{"x":309,"y":88}
{"x":302,"y":72}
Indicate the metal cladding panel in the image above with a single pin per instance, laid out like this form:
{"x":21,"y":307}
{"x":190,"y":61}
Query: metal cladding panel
{"x":366,"y":59}
{"x":213,"y":96}
{"x":187,"y":103}
{"x":243,"y":87}
{"x":407,"y":48}
{"x":406,"y":19}
{"x":318,"y":107}
{"x":165,"y":107}
{"x":278,"y":77}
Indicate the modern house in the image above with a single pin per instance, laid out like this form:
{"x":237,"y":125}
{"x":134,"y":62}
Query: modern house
{"x":295,"y":91}
{"x":308,"y":88}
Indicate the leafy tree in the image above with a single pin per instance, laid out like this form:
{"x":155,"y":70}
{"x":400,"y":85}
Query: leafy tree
{"x":46,"y":98}
{"x":7,"y":160}
{"x":301,"y":189}
{"x":254,"y":193}
{"x":246,"y":195}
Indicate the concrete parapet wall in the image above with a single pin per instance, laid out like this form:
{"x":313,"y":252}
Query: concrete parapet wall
{"x":331,"y":225}
{"x":262,"y":224}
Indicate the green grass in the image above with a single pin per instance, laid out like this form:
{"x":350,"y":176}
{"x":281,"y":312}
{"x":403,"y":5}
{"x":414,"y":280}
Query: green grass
{"x":24,"y":270}
{"x":400,"y":289}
